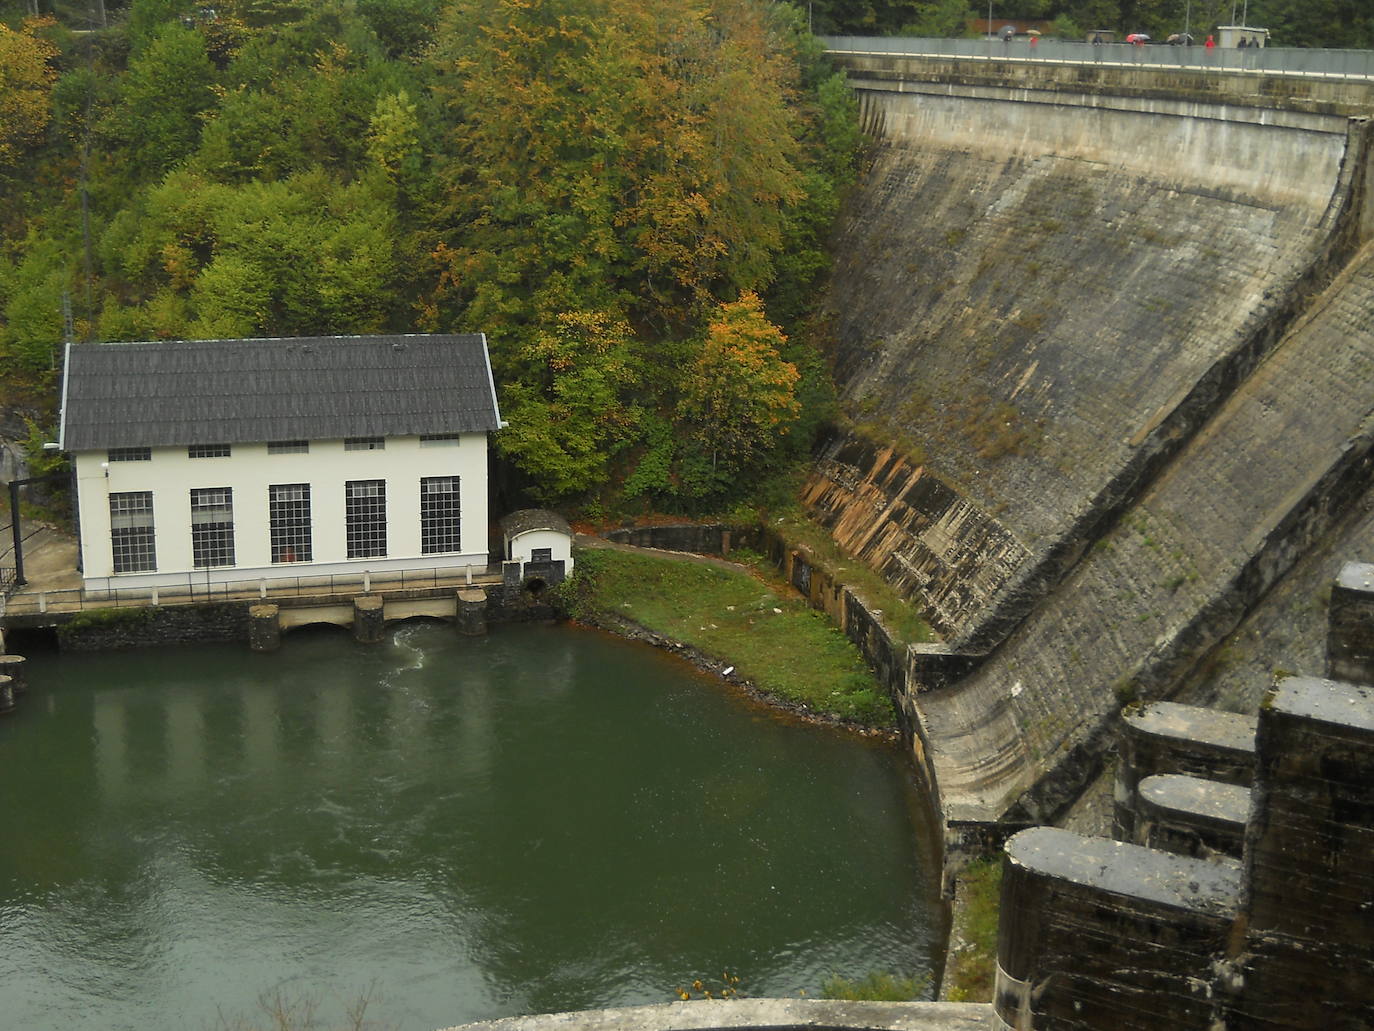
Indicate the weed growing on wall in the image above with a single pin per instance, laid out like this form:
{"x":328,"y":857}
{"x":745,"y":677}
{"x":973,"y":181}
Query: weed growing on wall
{"x":973,"y":957}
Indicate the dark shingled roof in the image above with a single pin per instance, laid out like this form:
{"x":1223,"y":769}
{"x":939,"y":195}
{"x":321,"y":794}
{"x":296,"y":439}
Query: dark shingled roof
{"x":172,"y":393}
{"x":527,"y":519}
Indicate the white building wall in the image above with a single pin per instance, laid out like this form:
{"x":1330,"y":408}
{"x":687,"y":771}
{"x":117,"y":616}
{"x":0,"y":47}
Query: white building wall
{"x":522,"y":545}
{"x":249,"y":471}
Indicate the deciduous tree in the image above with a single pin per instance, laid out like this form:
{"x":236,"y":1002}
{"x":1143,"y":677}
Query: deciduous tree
{"x":26,"y":78}
{"x":739,"y":396}
{"x":572,"y":409}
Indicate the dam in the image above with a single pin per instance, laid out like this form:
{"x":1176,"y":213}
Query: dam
{"x":1105,"y":343}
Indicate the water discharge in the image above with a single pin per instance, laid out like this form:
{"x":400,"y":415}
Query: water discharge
{"x":542,"y":819}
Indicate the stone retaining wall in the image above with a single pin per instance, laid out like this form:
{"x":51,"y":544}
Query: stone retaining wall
{"x":229,"y":622}
{"x":106,"y":629}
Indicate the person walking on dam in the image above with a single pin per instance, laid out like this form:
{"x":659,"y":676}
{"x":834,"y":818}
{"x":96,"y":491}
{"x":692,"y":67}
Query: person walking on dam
{"x":1211,"y":44}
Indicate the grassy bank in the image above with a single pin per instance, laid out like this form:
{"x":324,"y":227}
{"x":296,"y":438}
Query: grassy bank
{"x":786,"y":649}
{"x":973,"y":939}
{"x":903,"y":620}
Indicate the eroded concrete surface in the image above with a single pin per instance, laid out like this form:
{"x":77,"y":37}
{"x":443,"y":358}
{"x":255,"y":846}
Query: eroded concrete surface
{"x":760,"y":1014}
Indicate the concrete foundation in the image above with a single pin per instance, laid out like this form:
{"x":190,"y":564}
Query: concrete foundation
{"x":369,"y":619}
{"x":264,"y":628}
{"x":471,"y":619}
{"x":12,"y":666}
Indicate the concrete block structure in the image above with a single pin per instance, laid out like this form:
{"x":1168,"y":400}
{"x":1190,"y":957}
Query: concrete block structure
{"x":214,"y":461}
{"x":1350,"y":626}
{"x":1168,"y":738}
{"x":1191,"y":816}
{"x":1101,"y":934}
{"x":1108,"y":935}
{"x":1308,"y":955}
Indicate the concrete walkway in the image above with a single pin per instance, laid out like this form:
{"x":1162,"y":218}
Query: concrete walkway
{"x":49,"y":561}
{"x":760,"y":1014}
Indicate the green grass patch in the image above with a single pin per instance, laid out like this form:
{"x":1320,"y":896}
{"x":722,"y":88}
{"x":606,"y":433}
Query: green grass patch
{"x":875,"y":987}
{"x":779,"y":643}
{"x":970,"y":972}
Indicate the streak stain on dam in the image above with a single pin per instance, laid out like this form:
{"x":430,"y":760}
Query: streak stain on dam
{"x":1108,"y":362}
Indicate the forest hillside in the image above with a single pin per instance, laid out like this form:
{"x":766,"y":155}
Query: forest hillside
{"x":629,"y":198}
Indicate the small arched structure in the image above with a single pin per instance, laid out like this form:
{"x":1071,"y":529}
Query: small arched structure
{"x":541,"y":541}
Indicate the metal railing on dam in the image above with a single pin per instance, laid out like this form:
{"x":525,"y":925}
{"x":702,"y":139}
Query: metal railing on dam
{"x":1282,"y":61}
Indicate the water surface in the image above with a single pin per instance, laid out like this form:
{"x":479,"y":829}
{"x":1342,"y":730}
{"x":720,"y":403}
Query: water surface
{"x":542,"y":819}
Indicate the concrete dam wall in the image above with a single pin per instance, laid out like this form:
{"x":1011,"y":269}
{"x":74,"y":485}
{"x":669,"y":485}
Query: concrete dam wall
{"x":1107,"y":364}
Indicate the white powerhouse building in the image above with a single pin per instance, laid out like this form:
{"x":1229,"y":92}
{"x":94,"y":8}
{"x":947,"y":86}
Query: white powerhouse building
{"x":214,"y":460}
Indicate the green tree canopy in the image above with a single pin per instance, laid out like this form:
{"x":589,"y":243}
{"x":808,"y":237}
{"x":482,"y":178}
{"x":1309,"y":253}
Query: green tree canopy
{"x":165,"y":93}
{"x":585,"y":181}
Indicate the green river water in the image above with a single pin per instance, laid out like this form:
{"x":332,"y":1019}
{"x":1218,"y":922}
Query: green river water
{"x":546,"y":818}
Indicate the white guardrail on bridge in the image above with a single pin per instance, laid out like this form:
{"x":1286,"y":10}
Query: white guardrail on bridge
{"x":29,"y":602}
{"x":1286,"y":61}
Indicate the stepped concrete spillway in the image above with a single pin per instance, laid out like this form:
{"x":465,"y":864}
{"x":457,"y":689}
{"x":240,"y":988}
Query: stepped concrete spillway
{"x":1108,"y":362}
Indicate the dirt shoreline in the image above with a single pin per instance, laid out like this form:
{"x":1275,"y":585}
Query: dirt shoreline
{"x":628,"y":629}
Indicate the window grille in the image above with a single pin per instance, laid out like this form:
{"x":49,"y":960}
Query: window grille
{"x":212,"y":527}
{"x":364,"y":443}
{"x":288,"y":509}
{"x":439,"y":440}
{"x":131,"y":531}
{"x":131,"y":454}
{"x":207,"y":451}
{"x":288,"y":447}
{"x":365,"y":517}
{"x":440,"y":523}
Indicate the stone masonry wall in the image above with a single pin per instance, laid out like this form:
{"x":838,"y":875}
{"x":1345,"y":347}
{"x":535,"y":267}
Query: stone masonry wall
{"x":986,"y":335}
{"x":228,"y":622}
{"x":1287,"y":454}
{"x":107,"y":629}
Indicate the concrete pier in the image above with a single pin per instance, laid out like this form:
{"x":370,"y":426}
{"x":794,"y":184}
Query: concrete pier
{"x":1190,"y":816}
{"x":471,"y":612}
{"x":369,"y":619}
{"x":264,"y":628}
{"x":6,"y":695}
{"x":1099,"y":934}
{"x":1165,"y":737}
{"x":12,"y":666}
{"x":1350,"y":625}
